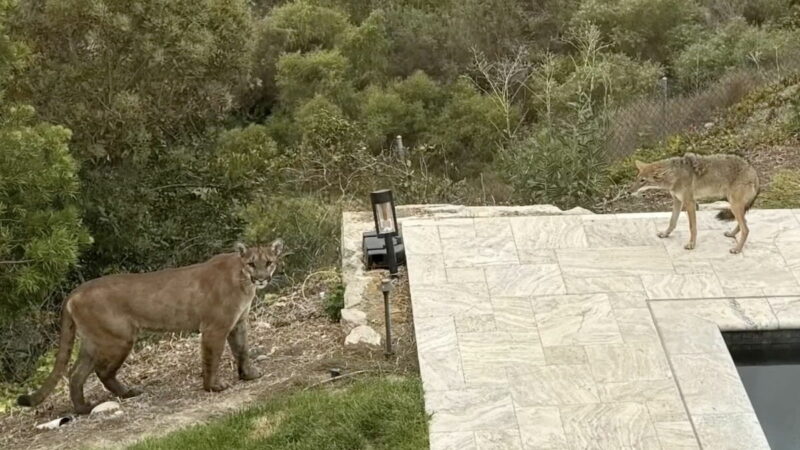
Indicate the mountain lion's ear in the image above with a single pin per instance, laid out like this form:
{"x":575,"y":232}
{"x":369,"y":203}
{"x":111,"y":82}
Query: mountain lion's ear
{"x":240,"y":248}
{"x":276,"y":247}
{"x":640,"y":165}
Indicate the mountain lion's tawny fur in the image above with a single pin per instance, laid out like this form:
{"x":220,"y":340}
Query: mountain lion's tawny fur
{"x":106,"y":314}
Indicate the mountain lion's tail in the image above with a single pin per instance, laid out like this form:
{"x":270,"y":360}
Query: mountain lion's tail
{"x":62,"y":359}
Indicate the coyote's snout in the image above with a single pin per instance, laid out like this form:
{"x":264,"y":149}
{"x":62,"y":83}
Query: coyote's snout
{"x":691,"y":177}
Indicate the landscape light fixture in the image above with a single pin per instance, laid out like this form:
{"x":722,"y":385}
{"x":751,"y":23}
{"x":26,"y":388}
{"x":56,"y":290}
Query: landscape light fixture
{"x":386,"y":287}
{"x":383,"y":211}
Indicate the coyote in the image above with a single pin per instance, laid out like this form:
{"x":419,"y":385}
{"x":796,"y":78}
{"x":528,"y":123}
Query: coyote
{"x":692,"y":177}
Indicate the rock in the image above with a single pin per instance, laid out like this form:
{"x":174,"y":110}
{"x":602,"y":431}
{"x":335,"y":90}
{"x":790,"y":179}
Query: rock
{"x":353,"y":318}
{"x":363,"y":336}
{"x":260,"y":358}
{"x":578,"y":211}
{"x":354,"y":291}
{"x":55,"y":423}
{"x":104,"y":407}
{"x":708,"y":125}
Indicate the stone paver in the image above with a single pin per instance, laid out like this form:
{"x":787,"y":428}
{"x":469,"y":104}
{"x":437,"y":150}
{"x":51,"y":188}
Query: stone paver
{"x":572,"y":332}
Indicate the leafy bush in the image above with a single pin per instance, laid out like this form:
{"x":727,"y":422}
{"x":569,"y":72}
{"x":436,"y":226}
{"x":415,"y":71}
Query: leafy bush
{"x":469,"y":128}
{"x":41,"y":233}
{"x":175,"y":209}
{"x":563,"y":164}
{"x":735,"y":45}
{"x":308,"y":225}
{"x":651,"y":29}
{"x":128,"y":79}
{"x":367,"y":49}
{"x":248,"y":156}
{"x":334,"y":303}
{"x":301,"y":76}
{"x":310,"y":27}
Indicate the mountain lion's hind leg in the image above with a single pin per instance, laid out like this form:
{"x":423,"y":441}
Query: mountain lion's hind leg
{"x":80,"y":372}
{"x":113,"y":355}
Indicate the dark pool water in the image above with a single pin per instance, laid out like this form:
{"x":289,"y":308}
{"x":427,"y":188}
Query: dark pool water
{"x":769,"y":366}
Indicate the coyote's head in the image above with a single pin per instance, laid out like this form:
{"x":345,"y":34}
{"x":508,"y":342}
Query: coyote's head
{"x":651,"y":176}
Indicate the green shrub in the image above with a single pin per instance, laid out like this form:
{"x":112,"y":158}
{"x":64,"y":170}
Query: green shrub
{"x":735,"y":45}
{"x":783,"y":191}
{"x":127,"y":79}
{"x":308,"y":225}
{"x":302,"y":76}
{"x":310,"y":27}
{"x":651,"y":29}
{"x":41,"y":233}
{"x":469,"y":129}
{"x":173,"y":210}
{"x":563,"y":164}
{"x":334,"y":303}
{"x":248,"y":157}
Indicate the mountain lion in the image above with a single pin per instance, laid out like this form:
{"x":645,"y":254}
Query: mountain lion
{"x":212,"y":297}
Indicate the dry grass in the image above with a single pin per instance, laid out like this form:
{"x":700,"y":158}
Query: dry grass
{"x":295,"y":346}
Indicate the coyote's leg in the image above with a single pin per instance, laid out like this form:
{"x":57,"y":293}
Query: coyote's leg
{"x":733,"y":233}
{"x":690,"y":211}
{"x":676,"y":211}
{"x":738,"y":212}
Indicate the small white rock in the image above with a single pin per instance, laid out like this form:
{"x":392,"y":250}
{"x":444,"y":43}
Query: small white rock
{"x":105,"y":406}
{"x":363,"y":335}
{"x":260,"y":358}
{"x":352,"y":318}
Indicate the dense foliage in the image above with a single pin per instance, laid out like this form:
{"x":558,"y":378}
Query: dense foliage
{"x":167,"y":129}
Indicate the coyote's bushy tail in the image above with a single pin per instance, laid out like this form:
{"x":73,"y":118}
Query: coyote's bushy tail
{"x":727,"y":215}
{"x":62,"y":359}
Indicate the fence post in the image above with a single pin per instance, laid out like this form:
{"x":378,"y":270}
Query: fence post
{"x":665,"y":94}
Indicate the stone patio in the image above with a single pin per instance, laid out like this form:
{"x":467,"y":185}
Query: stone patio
{"x":588,"y":331}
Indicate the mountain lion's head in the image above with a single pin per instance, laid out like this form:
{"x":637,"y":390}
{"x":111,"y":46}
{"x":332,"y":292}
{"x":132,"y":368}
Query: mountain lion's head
{"x":260,"y":262}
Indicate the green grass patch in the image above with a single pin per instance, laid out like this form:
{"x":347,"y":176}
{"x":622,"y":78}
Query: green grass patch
{"x":374,"y":413}
{"x":784,"y":191}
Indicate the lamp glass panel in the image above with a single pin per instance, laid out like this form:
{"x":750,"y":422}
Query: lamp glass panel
{"x":383,"y":211}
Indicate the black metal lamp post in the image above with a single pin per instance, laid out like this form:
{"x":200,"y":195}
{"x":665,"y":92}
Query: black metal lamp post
{"x":386,"y":224}
{"x":386,"y":287}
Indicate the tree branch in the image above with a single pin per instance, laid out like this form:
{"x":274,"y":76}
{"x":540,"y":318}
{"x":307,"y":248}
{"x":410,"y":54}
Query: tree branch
{"x":19,"y":261}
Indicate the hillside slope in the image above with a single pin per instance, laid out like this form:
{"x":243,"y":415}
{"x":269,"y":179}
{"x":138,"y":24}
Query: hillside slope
{"x":764,"y":128}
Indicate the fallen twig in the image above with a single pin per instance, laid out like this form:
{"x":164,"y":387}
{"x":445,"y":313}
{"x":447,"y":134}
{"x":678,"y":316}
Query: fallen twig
{"x":340,"y":377}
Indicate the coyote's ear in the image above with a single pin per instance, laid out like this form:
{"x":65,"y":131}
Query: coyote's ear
{"x":640,"y":165}
{"x":277,"y":247}
{"x":240,"y":248}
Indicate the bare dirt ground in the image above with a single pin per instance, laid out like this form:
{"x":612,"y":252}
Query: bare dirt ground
{"x":293,"y":343}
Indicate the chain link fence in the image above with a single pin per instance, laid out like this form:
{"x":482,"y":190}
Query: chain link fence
{"x":667,"y":111}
